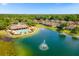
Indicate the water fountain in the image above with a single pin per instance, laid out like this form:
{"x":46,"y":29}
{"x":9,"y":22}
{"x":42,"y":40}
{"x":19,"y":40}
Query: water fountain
{"x":43,"y":46}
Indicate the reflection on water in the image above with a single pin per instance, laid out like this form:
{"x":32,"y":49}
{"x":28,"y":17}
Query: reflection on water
{"x":62,"y":36}
{"x":54,"y":44}
{"x":43,"y":46}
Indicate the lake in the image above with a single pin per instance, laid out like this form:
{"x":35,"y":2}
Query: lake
{"x":57,"y":45}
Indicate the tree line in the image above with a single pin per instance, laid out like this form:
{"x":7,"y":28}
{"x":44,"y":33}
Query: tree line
{"x":8,"y":19}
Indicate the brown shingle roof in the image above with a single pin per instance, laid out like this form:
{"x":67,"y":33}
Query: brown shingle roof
{"x":18,"y":26}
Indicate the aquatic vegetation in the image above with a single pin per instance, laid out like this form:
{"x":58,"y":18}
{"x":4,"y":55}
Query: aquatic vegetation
{"x":62,"y":35}
{"x":75,"y":38}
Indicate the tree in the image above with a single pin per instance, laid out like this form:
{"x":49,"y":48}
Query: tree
{"x":71,"y":18}
{"x":30,"y":23}
{"x":3,"y":25}
{"x":75,"y":30}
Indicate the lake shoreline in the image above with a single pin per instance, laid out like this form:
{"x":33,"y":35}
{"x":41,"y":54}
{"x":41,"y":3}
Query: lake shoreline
{"x":55,"y":29}
{"x":38,"y":26}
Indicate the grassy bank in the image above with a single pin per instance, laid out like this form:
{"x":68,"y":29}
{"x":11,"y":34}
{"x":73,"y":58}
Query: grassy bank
{"x":76,"y":35}
{"x":21,"y":51}
{"x":7,"y":48}
{"x":42,"y":26}
{"x":3,"y":33}
{"x":68,"y":32}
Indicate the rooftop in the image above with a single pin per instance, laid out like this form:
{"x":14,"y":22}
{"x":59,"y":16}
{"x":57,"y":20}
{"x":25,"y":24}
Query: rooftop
{"x":18,"y":26}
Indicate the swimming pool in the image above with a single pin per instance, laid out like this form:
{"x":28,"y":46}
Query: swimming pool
{"x":22,"y":31}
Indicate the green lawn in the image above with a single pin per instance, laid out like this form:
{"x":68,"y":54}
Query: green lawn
{"x":7,"y":48}
{"x":3,"y":33}
{"x":42,"y":26}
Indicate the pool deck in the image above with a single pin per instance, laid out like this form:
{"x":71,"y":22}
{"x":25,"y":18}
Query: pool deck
{"x":24,"y":35}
